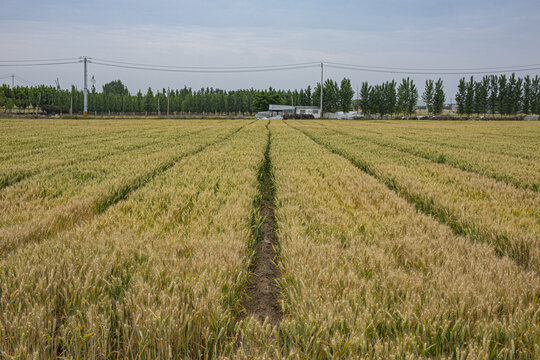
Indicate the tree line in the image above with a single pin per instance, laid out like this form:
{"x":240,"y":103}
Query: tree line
{"x":499,"y":94}
{"x":390,"y":98}
{"x":491,"y":94}
{"x":116,"y":98}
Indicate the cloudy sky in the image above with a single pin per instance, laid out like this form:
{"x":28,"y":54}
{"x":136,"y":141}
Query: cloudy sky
{"x":394,"y":33}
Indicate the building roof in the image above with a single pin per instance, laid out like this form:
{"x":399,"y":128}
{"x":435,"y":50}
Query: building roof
{"x":273,"y":107}
{"x":280,"y":107}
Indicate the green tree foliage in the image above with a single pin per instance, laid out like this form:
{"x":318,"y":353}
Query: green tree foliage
{"x":502,"y":99}
{"x":115,"y":87}
{"x":376,"y":99}
{"x":535,"y":95}
{"x":515,"y":94}
{"x":481,"y":96}
{"x":428,"y":95}
{"x":365,"y":91}
{"x":526,"y":103}
{"x":461,"y":95}
{"x":407,"y":95}
{"x":346,"y":94}
{"x":331,"y":96}
{"x":438,"y":98}
{"x":469,"y":97}
{"x":503,"y":94}
{"x":493,"y":93}
{"x":149,"y":101}
{"x":263,"y":99}
{"x":389,"y":97}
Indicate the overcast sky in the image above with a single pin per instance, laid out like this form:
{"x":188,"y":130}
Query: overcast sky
{"x":395,"y":33}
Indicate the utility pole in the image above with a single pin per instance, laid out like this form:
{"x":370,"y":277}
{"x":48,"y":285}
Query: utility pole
{"x":322,"y":89}
{"x":85,"y":60}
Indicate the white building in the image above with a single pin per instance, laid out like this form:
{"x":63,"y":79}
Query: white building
{"x":297,"y":110}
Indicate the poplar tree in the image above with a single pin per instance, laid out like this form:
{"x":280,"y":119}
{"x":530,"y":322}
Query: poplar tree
{"x":493,"y":93}
{"x":535,"y":95}
{"x":376,"y":99}
{"x":316,"y":96}
{"x":346,"y":94}
{"x":481,"y":96}
{"x":503,"y":95}
{"x":515,"y":99}
{"x":309,"y":99}
{"x":364,"y":98}
{"x":469,"y":97}
{"x":2,"y":99}
{"x":428,"y":96}
{"x":526,"y":103}
{"x":389,"y":95}
{"x":331,"y":96}
{"x":461,"y":95}
{"x":149,"y":101}
{"x":438,"y":97}
{"x":407,"y":97}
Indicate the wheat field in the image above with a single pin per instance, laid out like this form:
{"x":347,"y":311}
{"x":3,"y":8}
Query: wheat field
{"x":256,"y":239}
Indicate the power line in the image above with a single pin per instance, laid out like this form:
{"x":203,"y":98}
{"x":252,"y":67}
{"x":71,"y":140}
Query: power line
{"x":206,"y":67}
{"x":188,"y":70}
{"x":433,"y":69}
{"x":38,"y":60}
{"x":267,"y":68}
{"x":43,"y":64}
{"x":26,"y":81}
{"x":429,"y":72}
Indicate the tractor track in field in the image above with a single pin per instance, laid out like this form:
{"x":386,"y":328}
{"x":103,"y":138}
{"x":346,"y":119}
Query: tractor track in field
{"x":81,"y":211}
{"x":263,"y":295}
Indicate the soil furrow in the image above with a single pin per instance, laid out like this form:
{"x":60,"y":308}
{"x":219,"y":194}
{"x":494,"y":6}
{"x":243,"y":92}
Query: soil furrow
{"x":262,"y":292}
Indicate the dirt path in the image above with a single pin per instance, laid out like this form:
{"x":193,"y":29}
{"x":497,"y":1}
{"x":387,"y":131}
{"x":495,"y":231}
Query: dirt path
{"x":263,"y":294}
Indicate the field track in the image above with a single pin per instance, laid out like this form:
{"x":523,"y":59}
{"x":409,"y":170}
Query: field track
{"x":269,"y":239}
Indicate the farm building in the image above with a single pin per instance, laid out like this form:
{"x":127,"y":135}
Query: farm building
{"x":297,"y":110}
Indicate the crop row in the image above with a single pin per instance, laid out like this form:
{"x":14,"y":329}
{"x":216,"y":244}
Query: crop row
{"x":33,"y":136}
{"x":158,"y":263}
{"x":518,"y":171}
{"x":367,"y":276}
{"x":159,"y":275}
{"x":471,"y":204}
{"x":22,"y":166}
{"x":53,"y":200}
{"x":512,"y":138}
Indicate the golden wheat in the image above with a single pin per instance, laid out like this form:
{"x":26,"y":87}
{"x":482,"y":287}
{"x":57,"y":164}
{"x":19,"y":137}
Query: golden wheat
{"x":517,"y":170}
{"x":135,"y":238}
{"x":471,"y":204}
{"x":157,"y":276}
{"x":366,"y":275}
